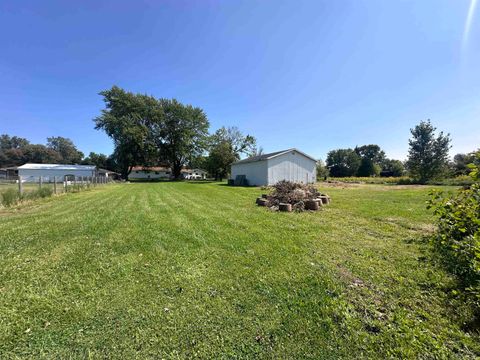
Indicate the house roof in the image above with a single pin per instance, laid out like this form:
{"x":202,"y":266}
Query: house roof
{"x":270,"y":156}
{"x":150,"y":168}
{"x":30,"y":166}
{"x":107,"y":171}
{"x":161,"y":168}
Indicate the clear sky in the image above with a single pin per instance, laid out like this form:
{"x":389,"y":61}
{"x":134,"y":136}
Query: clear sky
{"x":315,"y":75}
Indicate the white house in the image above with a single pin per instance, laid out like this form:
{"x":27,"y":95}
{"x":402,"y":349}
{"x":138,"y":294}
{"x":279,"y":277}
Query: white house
{"x":32,"y":172}
{"x":152,"y":172}
{"x":162,"y":172}
{"x":194,"y":174}
{"x":268,"y":169}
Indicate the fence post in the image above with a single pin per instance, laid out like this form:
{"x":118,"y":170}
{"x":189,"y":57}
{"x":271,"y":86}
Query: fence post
{"x":20,"y":185}
{"x":55,"y":185}
{"x":40,"y":182}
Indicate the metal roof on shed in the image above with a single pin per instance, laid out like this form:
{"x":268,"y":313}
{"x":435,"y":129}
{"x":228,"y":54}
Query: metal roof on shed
{"x":30,"y":166}
{"x":271,"y":155}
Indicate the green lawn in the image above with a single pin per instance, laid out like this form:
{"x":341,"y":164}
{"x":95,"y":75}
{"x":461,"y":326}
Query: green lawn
{"x":182,"y":270}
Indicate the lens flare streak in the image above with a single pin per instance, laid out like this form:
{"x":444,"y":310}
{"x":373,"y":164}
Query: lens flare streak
{"x":468,"y":23}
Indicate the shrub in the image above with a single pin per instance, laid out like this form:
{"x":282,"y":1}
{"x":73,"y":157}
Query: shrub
{"x":10,"y":197}
{"x":457,"y":238}
{"x":373,"y":180}
{"x":44,"y":192}
{"x":462,"y":180}
{"x":404,"y":180}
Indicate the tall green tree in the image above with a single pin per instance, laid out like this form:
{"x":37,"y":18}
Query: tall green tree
{"x":147,"y":131}
{"x":128,"y":119}
{"x":428,"y":153}
{"x":372,"y":152}
{"x":227,"y":145}
{"x":181,"y":134}
{"x":372,"y":157}
{"x":219,"y":160}
{"x":322,"y":170}
{"x":343,"y":162}
{"x":240,"y":144}
{"x":368,"y":168}
{"x":66,"y":148}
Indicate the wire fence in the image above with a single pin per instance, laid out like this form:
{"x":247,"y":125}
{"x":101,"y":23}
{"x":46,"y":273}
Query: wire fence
{"x":56,"y":184}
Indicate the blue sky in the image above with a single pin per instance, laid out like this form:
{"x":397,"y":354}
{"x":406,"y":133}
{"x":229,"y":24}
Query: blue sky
{"x":315,"y":75}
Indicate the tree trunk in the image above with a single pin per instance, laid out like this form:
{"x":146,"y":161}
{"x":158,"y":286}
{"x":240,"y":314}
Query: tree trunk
{"x":176,"y":170}
{"x":126,"y":170}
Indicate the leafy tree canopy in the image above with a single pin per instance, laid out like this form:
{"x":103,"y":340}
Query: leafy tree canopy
{"x":128,"y":119}
{"x":226,"y":146}
{"x":66,"y":148}
{"x":12,"y":142}
{"x":343,"y":162}
{"x":461,"y":162}
{"x":15,"y":151}
{"x":428,"y":153}
{"x":181,"y":134}
{"x":371,"y":152}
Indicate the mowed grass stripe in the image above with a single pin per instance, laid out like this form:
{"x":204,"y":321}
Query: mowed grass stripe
{"x":181,"y":270}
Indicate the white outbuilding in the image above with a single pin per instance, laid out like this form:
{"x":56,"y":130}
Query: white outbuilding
{"x":268,"y":169}
{"x":32,"y":172}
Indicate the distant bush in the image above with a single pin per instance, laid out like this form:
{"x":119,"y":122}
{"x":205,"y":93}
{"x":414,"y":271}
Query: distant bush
{"x":10,"y":197}
{"x":457,"y":239}
{"x":403,"y":180}
{"x":462,"y":180}
{"x":372,"y":180}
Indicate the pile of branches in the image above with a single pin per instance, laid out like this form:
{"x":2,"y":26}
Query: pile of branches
{"x":288,"y":192}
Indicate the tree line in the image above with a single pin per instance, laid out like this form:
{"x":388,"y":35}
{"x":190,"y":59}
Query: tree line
{"x":148,"y":131}
{"x":428,"y":158}
{"x":16,"y":151}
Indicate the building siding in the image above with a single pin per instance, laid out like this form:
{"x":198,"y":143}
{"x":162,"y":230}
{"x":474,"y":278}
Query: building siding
{"x":145,"y":174}
{"x":48,"y":174}
{"x":292,"y":166}
{"x":256,"y":172}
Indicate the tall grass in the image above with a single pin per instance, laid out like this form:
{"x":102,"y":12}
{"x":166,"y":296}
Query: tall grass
{"x":402,"y":180}
{"x":12,"y":197}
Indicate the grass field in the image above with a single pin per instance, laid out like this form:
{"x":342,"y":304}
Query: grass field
{"x":182,"y":270}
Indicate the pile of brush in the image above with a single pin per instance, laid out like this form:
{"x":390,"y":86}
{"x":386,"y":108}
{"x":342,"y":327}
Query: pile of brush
{"x":292,"y":196}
